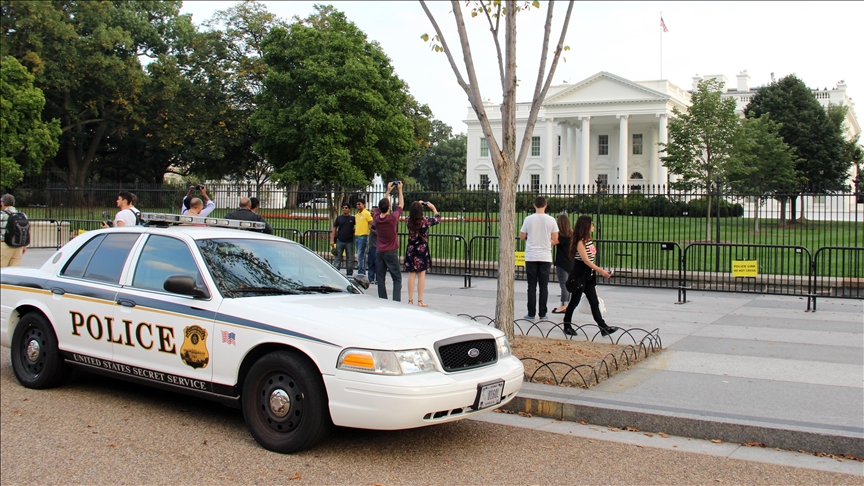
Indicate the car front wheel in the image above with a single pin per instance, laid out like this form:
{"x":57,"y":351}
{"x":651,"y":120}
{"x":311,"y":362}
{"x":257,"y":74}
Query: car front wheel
{"x":285,"y":403}
{"x":36,"y":359}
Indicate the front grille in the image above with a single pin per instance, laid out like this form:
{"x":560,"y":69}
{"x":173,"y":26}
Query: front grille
{"x":455,"y":357}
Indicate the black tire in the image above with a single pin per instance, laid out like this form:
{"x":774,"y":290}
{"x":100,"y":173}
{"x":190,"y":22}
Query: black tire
{"x":36,"y":358}
{"x":303,"y":421}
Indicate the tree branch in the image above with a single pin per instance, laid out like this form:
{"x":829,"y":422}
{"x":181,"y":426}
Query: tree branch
{"x":494,"y":30}
{"x":540,"y":94}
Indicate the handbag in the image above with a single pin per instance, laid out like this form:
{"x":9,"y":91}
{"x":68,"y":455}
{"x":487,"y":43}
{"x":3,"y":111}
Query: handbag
{"x":579,"y":277}
{"x":585,"y":306}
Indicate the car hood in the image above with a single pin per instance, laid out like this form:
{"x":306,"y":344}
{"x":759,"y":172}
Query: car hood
{"x":351,"y":320}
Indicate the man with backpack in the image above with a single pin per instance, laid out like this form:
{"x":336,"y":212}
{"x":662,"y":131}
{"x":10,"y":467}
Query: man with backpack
{"x":128,"y":215}
{"x":16,"y":232}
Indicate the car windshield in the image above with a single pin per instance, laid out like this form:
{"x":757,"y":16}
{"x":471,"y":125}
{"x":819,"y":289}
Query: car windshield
{"x":251,"y":267}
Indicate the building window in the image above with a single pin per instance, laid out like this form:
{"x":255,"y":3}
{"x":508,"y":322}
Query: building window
{"x":603,"y":145}
{"x":484,"y":180}
{"x":559,"y":145}
{"x":535,"y":182}
{"x":602,"y":182}
{"x":484,"y":147}
{"x":535,"y":146}
{"x":637,"y":144}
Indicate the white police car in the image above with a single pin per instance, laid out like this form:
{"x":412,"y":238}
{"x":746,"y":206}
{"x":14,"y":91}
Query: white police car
{"x":250,"y":320}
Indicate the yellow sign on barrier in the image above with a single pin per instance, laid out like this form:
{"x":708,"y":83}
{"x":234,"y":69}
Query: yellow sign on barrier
{"x":520,"y":258}
{"x":745,"y":268}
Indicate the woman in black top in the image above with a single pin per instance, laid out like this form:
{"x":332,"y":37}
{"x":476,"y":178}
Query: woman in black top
{"x":583,"y":250}
{"x":563,"y":261}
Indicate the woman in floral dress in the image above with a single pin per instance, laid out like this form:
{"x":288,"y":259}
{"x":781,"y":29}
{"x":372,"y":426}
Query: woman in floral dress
{"x":417,"y":257}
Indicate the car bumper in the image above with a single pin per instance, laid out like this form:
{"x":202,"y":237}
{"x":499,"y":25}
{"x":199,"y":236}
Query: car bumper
{"x":403,"y":402}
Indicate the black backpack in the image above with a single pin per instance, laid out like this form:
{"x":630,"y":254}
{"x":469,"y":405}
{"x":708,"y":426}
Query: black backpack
{"x":17,"y":232}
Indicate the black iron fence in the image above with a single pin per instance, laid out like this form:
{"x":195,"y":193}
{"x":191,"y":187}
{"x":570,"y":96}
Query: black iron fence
{"x":805,"y":244}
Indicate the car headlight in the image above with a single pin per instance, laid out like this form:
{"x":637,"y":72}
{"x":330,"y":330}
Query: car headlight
{"x":386,"y":362}
{"x":503,"y":347}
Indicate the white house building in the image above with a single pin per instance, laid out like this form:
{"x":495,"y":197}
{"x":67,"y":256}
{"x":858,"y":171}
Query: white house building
{"x":606,"y":128}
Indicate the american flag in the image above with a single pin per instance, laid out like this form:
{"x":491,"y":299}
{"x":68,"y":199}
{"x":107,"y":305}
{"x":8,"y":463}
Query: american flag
{"x":663,"y":24}
{"x":229,"y":337}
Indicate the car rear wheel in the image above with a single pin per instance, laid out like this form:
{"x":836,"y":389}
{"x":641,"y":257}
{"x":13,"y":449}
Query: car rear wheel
{"x":36,"y":359}
{"x":285,"y":403}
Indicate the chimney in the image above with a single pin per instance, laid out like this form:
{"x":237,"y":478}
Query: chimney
{"x":696,"y":79}
{"x":743,"y":81}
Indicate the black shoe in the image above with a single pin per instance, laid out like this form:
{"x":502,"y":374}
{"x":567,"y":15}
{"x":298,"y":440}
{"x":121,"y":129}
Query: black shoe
{"x":569,"y":331}
{"x":607,"y":331}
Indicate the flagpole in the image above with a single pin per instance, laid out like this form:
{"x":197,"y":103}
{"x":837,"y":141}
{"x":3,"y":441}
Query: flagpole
{"x":661,"y":47}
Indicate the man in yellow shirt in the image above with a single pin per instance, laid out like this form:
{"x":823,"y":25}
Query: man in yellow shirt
{"x":363,"y":219}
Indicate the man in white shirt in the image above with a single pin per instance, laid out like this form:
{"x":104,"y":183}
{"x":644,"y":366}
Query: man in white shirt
{"x":541,"y":232}
{"x":127,"y":216}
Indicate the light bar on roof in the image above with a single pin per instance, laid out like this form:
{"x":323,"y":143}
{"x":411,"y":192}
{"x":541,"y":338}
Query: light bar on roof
{"x":200,"y":220}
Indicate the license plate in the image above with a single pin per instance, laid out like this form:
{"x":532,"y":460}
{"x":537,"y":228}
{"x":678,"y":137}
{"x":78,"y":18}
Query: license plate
{"x":489,"y":394}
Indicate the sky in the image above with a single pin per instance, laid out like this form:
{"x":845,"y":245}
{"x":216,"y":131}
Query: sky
{"x":820,"y":42}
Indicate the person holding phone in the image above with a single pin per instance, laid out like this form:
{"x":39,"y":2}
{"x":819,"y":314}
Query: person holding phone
{"x":418,"y":259}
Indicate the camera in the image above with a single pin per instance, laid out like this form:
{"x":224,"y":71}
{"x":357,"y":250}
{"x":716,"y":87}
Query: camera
{"x":107,"y":221}
{"x":198,"y":187}
{"x":425,"y":204}
{"x":396,"y":183}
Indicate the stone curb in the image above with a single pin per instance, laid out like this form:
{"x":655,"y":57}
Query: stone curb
{"x":539,"y":401}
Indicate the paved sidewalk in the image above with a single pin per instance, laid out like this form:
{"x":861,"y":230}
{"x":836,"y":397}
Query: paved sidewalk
{"x":736,"y":367}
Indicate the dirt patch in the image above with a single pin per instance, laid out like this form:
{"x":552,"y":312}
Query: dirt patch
{"x":574,"y":363}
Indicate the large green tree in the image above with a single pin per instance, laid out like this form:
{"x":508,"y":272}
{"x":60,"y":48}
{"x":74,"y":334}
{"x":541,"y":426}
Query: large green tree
{"x":444,"y":159}
{"x":86,"y":57}
{"x":701,"y":142}
{"x":763,"y":165}
{"x":806,"y":127}
{"x":332,"y":108}
{"x":25,"y":140}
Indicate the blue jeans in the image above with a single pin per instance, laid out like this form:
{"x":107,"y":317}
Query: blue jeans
{"x":563,"y":275}
{"x":372,"y":258}
{"x":360,"y":250}
{"x":388,"y":261}
{"x":348,"y":248}
{"x":538,"y":272}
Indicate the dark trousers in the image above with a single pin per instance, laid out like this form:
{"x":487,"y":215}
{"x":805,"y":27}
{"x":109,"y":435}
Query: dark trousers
{"x":388,"y":261}
{"x":346,"y":247}
{"x":372,"y":263}
{"x":538,"y":273}
{"x":590,"y":292}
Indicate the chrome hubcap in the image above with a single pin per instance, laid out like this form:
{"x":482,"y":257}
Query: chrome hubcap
{"x":33,"y":350}
{"x":280,"y":403}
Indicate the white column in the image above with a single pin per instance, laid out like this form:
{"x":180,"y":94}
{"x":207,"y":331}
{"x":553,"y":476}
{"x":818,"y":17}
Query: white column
{"x":584,"y":172}
{"x":664,"y":138}
{"x":564,"y":159}
{"x":623,"y":133}
{"x":571,"y":156}
{"x":654,"y":167}
{"x":550,"y":151}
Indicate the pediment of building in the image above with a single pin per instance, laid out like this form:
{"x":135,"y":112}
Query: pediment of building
{"x":604,"y":88}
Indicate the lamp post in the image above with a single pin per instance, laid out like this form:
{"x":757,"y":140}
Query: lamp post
{"x":488,"y":223}
{"x":597,"y":226}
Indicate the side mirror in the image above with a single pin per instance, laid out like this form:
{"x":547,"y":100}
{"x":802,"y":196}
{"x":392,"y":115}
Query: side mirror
{"x":184,"y":285}
{"x":361,"y":281}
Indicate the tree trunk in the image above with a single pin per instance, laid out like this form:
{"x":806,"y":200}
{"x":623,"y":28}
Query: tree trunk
{"x":782,"y":222}
{"x":793,"y":205}
{"x":504,"y":312}
{"x":708,"y":220}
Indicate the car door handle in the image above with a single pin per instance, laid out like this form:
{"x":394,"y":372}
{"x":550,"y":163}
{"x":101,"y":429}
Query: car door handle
{"x":57,"y":291}
{"x":126,"y":302}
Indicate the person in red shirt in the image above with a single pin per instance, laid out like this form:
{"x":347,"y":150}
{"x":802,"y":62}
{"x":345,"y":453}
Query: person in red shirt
{"x":385,"y":222}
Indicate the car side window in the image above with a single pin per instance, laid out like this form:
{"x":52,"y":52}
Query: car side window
{"x":102,"y":258}
{"x":161,"y":258}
